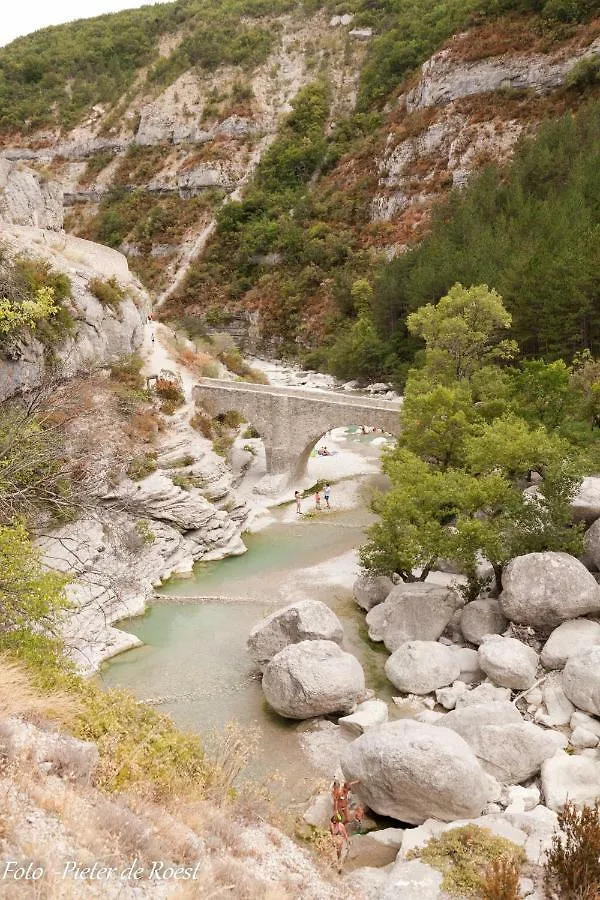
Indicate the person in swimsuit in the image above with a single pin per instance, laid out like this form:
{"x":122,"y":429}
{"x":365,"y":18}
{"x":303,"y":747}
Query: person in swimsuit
{"x":338,"y":832}
{"x":344,"y":793}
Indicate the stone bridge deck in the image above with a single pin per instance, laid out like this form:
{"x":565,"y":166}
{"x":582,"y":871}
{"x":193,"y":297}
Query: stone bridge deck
{"x":290,"y":420}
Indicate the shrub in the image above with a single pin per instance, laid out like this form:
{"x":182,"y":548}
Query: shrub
{"x":202,"y":423}
{"x":464,"y":855}
{"x":142,"y":466}
{"x":109,"y":293}
{"x":573,"y":862}
{"x":144,"y":531}
{"x":222,"y":444}
{"x":128,"y":372}
{"x":170,"y":389}
{"x":501,"y":880}
{"x":584,"y":73}
{"x":250,"y":432}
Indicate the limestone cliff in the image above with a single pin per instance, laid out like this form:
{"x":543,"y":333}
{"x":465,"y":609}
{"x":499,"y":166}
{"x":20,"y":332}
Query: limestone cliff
{"x":31,"y":218}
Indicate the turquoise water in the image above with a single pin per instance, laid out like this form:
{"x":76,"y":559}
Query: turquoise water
{"x":194,"y":665}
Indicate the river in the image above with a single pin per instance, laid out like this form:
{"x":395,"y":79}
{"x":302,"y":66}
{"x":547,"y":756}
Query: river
{"x":193,"y":664}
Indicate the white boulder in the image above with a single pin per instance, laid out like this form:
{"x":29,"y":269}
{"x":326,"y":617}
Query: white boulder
{"x":583,"y":739}
{"x":313,"y":678}
{"x":416,"y":612}
{"x":367,"y":715}
{"x":508,"y":748}
{"x":304,"y":620}
{"x":586,"y":504}
{"x":582,"y":720}
{"x":412,"y":771}
{"x":570,"y":778}
{"x":545,"y":589}
{"x":419,"y":667}
{"x":568,"y":639}
{"x":482,"y":617}
{"x":370,"y":590}
{"x":559,"y":708}
{"x":592,"y":542}
{"x":508,"y":662}
{"x":484,"y":693}
{"x":412,"y":880}
{"x":581,"y":680}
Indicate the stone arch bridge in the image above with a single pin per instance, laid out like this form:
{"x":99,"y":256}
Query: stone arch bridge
{"x":291,"y":421}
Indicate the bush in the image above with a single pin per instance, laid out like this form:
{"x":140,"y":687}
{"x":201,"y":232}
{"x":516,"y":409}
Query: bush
{"x":573,"y":863}
{"x":584,"y":73}
{"x":464,"y":856}
{"x":170,"y":390}
{"x":202,"y":423}
{"x":128,"y":372}
{"x":109,"y":293}
{"x":250,"y":433}
{"x":142,"y":466}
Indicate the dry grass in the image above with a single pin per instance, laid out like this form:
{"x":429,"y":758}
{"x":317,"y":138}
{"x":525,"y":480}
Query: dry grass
{"x":20,"y":697}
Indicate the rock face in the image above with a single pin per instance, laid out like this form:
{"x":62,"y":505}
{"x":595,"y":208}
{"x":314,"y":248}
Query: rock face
{"x":305,"y":620}
{"x":482,"y":617}
{"x":569,"y":639}
{"x":586,"y":504}
{"x":443,"y":80}
{"x":581,"y":680}
{"x":508,"y":662}
{"x":508,"y":748}
{"x":415,"y":612}
{"x":369,"y":591}
{"x":313,"y":678}
{"x":545,"y":589}
{"x":419,"y":667}
{"x":412,"y":771}
{"x":27,"y":200}
{"x":573,"y":778}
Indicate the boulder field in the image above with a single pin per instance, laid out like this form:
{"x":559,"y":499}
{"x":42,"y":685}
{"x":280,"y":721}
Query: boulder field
{"x":499,"y":698}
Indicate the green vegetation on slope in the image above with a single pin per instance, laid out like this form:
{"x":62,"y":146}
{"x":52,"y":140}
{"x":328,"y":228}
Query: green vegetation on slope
{"x":55,"y":75}
{"x":530,"y":231}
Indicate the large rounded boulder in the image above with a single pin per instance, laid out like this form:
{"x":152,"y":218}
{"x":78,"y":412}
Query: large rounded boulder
{"x":415,"y":612}
{"x":581,"y":680}
{"x":508,"y":662}
{"x":419,"y":667}
{"x":568,"y":640}
{"x":313,"y":678}
{"x":413,"y":771}
{"x":370,"y":590}
{"x":304,"y":620}
{"x":482,"y":617}
{"x":545,"y":589}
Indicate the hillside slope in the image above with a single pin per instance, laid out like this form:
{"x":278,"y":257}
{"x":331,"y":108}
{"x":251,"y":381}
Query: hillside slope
{"x":253,"y":178}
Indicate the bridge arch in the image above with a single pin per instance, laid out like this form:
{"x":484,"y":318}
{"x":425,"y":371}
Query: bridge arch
{"x":291,"y":421}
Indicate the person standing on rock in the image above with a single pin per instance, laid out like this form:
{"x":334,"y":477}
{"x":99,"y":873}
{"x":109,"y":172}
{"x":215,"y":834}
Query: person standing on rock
{"x":338,"y":832}
{"x":318,"y":499}
{"x":298,"y":498}
{"x":327,"y":495}
{"x":342,"y":804}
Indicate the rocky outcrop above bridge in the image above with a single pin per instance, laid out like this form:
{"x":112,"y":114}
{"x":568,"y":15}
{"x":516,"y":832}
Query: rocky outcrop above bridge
{"x":444,"y":78}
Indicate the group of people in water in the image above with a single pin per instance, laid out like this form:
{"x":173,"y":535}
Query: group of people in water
{"x":343,"y":817}
{"x":326,"y":497}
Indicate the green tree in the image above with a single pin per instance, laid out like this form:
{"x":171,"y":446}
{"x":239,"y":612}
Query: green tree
{"x":462,"y":331}
{"x":19,"y":315}
{"x":436,"y":420}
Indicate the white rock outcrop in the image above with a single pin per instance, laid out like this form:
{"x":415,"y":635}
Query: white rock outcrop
{"x":592,"y":541}
{"x":581,"y":680}
{"x":412,"y":771}
{"x":303,"y":620}
{"x":508,"y":662}
{"x":569,"y":639}
{"x":313,"y":678}
{"x":419,"y":667}
{"x":481,"y":617}
{"x":27,"y":199}
{"x":545,"y":589}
